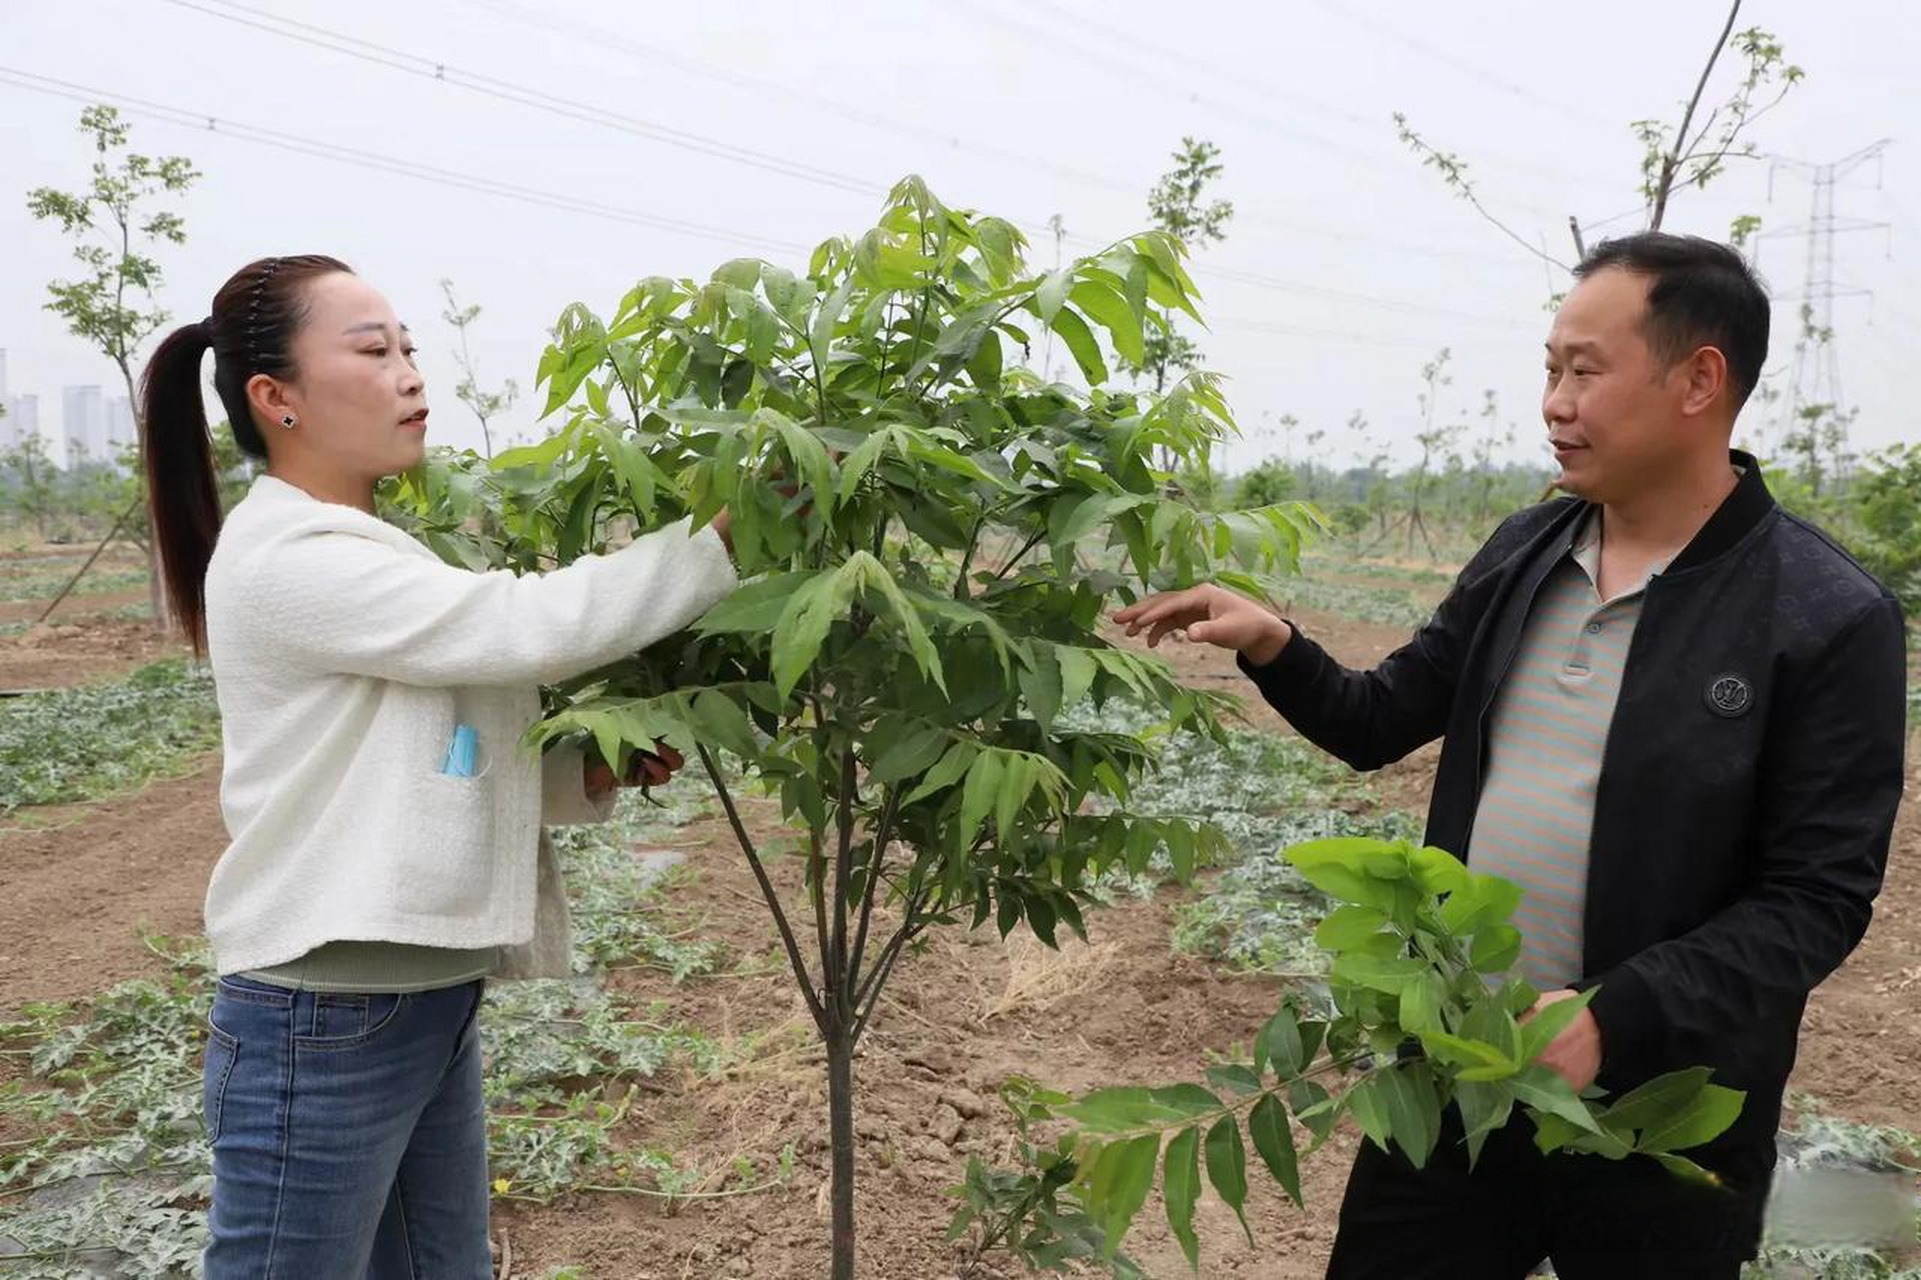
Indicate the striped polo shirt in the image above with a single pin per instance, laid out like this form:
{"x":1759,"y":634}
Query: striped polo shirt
{"x":1546,"y":735}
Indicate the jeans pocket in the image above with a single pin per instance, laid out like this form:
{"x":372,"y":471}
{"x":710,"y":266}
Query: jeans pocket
{"x":223,"y":1051}
{"x":351,"y":1021}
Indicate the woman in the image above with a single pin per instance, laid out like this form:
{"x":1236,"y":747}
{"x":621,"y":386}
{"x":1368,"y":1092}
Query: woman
{"x":384,"y":818}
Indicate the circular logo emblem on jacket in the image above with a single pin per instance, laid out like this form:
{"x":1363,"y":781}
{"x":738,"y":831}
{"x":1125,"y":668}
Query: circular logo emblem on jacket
{"x":1730,"y":695}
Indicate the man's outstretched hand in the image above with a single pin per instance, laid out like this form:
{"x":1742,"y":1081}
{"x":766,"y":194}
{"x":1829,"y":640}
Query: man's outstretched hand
{"x":1210,"y":615}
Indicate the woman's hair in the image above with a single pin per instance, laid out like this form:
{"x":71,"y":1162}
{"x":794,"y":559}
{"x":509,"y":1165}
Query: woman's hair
{"x":251,"y":330}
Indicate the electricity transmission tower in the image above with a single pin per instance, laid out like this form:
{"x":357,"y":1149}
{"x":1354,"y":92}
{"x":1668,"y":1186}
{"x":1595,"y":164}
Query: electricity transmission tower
{"x":1814,"y":417}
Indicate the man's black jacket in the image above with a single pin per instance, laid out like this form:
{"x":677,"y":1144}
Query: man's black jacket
{"x":1747,"y":790}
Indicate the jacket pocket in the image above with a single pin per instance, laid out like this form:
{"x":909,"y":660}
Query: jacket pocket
{"x":444,"y":865}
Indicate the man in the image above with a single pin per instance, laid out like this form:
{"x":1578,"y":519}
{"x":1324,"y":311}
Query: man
{"x":1674,"y":713}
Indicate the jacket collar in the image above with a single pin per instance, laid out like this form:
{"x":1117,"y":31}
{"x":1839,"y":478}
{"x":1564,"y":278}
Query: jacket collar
{"x":1738,"y":513}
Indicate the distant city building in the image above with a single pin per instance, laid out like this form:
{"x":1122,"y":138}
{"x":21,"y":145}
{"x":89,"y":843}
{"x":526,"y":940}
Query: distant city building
{"x":21,"y":423}
{"x":83,"y":422}
{"x":120,"y":428}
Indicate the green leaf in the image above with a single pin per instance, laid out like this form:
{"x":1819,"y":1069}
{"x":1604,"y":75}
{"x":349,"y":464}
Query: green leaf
{"x":754,"y":609}
{"x":858,"y":463}
{"x":1686,"y":1169}
{"x":983,"y":779}
{"x":821,"y":333}
{"x":951,"y":767}
{"x":1123,"y":1174}
{"x":1180,"y":1184}
{"x":1706,"y":1117}
{"x":804,"y":623}
{"x":1018,"y":776}
{"x":723,"y":723}
{"x":873,"y":576}
{"x":1377,"y":973}
{"x":1041,"y":688}
{"x":1227,"y":1168}
{"x":1464,"y":1052}
{"x":1108,"y":309}
{"x":1421,"y":1004}
{"x":918,"y":750}
{"x":1081,"y":341}
{"x":1051,"y":294}
{"x":1659,"y":1098}
{"x":1437,"y":871}
{"x":1489,"y":1022}
{"x":1235,"y":1078}
{"x":1334,"y":866}
{"x":1077,"y":674}
{"x":1538,"y":1032}
{"x":1370,"y":1110}
{"x":1551,"y":1133}
{"x":1544,"y":1089}
{"x":596,"y":398}
{"x":1348,"y":926}
{"x":1187,"y":1100}
{"x":1495,"y":949}
{"x":984,"y":366}
{"x":805,"y":448}
{"x":1484,"y":1109}
{"x":1121,"y":1110}
{"x":1273,"y":1136}
{"x":1413,"y":1108}
{"x":1279,"y":1043}
{"x":1483,"y":901}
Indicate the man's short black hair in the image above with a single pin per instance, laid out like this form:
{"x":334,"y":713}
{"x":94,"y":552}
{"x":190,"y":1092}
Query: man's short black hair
{"x":1700,"y":293}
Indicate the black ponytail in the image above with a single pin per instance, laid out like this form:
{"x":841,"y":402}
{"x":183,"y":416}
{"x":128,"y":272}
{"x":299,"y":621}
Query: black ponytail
{"x":183,"y":493}
{"x":251,"y":331}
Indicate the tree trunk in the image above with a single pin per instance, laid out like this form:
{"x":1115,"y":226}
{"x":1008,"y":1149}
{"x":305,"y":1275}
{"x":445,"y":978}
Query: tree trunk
{"x":156,"y":584}
{"x":840,"y":1127}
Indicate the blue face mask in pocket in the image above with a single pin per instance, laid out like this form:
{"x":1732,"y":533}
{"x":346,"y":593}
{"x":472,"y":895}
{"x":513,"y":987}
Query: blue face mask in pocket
{"x":461,"y":752}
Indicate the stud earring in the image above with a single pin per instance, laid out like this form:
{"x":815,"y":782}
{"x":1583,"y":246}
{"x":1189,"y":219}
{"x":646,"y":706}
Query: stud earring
{"x":288,"y":421}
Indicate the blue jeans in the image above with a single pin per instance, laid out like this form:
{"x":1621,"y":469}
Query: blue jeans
{"x":349,"y":1137}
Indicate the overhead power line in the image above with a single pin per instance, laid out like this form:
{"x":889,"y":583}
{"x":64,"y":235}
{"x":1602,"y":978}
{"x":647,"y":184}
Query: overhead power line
{"x":539,"y":99}
{"x":525,"y":96}
{"x":383,"y":163}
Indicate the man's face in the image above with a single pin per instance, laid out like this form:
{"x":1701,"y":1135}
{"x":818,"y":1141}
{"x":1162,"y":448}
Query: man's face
{"x":1613,"y":410}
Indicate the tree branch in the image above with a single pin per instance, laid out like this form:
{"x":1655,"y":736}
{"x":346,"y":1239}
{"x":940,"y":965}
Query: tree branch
{"x":911,"y":926}
{"x":870,"y":886}
{"x":843,"y":870}
{"x":1026,"y":547}
{"x":967,"y":558}
{"x":766,"y":889}
{"x":1454,"y":173}
{"x":877,"y":981}
{"x":1674,"y":158}
{"x":823,"y":936}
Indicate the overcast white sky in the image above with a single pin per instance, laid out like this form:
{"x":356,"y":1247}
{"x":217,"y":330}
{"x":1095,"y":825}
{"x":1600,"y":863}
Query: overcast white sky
{"x":1346,"y":267}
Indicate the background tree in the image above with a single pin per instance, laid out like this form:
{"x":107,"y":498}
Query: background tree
{"x":1673,"y":159}
{"x":30,"y":481}
{"x":1178,"y":206}
{"x":485,"y":405}
{"x":116,"y":227}
{"x":1493,"y":438}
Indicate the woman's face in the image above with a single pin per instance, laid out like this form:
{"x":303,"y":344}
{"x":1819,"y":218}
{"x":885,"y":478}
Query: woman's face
{"x":358,"y":401}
